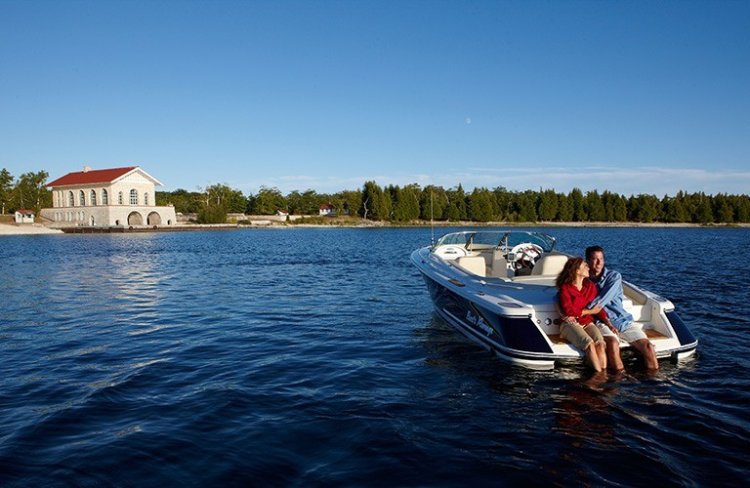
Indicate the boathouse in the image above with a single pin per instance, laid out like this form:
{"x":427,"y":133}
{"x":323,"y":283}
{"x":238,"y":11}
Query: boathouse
{"x":107,"y":197}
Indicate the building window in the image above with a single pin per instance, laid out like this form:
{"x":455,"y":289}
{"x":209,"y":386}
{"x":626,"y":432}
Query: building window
{"x":105,"y":197}
{"x":82,"y":198}
{"x":145,"y":198}
{"x":71,"y":199}
{"x":93,"y":198}
{"x":133,"y":197}
{"x":119,"y":198}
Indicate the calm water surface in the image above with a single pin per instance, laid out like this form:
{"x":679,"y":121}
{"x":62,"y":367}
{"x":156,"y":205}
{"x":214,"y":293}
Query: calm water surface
{"x":313,"y":357}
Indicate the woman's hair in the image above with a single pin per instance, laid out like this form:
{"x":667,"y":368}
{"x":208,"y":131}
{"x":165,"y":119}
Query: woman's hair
{"x":568,"y":273}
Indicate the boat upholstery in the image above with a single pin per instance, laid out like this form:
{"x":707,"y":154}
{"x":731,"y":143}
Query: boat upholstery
{"x":499,"y":265}
{"x":473,"y":264}
{"x":550,"y":264}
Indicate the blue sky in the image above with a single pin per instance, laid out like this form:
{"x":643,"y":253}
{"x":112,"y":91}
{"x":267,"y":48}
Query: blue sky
{"x":633,"y":97}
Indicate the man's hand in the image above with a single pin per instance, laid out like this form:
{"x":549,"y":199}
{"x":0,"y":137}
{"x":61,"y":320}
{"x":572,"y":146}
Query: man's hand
{"x":593,"y":311}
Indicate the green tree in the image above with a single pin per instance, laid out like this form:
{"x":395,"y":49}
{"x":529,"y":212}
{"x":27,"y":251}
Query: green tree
{"x":311,"y":202}
{"x":547,"y":205}
{"x":6,"y":189}
{"x":703,"y":211}
{"x":742,"y":207}
{"x":223,"y":196}
{"x":294,"y":202}
{"x":406,"y":203}
{"x":645,"y":208}
{"x":576,"y":202}
{"x":212,"y":214}
{"x":594,"y":207}
{"x":183,"y":201}
{"x":433,"y":203}
{"x":564,"y":208}
{"x":266,"y":202}
{"x":307,"y":203}
{"x":376,"y":204}
{"x":674,"y":209}
{"x":31,"y":191}
{"x":620,"y":209}
{"x":723,"y":209}
{"x":457,"y":208}
{"x":351,"y":202}
{"x":482,"y":205}
{"x":504,"y":202}
{"x":526,"y":203}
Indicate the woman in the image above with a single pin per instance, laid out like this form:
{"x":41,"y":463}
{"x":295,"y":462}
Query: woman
{"x":578,"y":328}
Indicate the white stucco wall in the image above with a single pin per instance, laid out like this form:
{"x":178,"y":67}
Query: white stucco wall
{"x":23,"y":218}
{"x":137,"y":215}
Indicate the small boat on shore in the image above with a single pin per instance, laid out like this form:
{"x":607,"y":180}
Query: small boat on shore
{"x":498,"y":289}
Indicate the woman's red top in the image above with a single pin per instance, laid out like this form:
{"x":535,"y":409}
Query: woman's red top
{"x":574,"y":301}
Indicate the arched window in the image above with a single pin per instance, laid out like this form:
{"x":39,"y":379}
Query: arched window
{"x":119,"y":198}
{"x":105,"y":197}
{"x":145,"y":198}
{"x":82,"y":199}
{"x":71,"y":199}
{"x":134,"y":197}
{"x":93,"y":198}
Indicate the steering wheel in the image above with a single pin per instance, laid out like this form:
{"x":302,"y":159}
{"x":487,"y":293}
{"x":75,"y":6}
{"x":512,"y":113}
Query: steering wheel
{"x":526,"y":254}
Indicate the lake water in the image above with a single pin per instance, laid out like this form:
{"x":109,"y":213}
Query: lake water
{"x":313,"y":357}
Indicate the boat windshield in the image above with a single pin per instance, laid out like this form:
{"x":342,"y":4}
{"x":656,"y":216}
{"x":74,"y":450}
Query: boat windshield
{"x":504,"y":240}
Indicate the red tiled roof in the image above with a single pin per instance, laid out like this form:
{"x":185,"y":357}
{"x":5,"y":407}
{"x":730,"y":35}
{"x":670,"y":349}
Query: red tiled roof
{"x":91,"y":176}
{"x":24,"y":211}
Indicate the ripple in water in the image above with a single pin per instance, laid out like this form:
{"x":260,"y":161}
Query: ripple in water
{"x":312,"y":356}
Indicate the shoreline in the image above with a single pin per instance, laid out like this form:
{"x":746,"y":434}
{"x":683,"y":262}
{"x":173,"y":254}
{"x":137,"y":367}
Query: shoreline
{"x":39,"y":229}
{"x":26,"y":229}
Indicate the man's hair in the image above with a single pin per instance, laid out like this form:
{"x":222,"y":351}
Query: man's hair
{"x":592,"y":249}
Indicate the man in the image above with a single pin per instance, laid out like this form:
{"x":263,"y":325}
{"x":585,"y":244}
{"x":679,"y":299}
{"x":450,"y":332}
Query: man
{"x":609,"y":284}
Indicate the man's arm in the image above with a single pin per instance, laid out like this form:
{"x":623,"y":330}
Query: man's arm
{"x":609,"y":288}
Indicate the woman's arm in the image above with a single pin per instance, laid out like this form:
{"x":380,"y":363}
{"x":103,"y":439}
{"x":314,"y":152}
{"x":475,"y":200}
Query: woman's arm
{"x":567,"y":305}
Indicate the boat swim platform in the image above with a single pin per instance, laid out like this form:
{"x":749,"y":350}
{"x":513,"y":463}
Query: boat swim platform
{"x":652,"y":334}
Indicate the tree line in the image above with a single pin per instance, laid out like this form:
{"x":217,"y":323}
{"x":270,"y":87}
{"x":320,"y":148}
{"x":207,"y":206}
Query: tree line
{"x":411,"y":202}
{"x":28,"y":191}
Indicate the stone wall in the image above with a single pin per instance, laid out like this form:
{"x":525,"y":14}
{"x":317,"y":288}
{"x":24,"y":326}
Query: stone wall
{"x":106,"y":216}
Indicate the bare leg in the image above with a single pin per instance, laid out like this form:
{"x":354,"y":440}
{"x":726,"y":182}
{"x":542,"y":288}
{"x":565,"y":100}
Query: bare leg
{"x":613,"y":354}
{"x":646,"y":349}
{"x":593,"y":357}
{"x":602,"y":353}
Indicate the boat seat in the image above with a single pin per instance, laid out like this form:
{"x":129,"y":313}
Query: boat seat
{"x":550,"y":264}
{"x":473,"y":264}
{"x":499,"y":265}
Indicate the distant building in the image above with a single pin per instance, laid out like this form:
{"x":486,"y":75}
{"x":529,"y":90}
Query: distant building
{"x":107,"y":197}
{"x":327,"y":209}
{"x":24,"y":216}
{"x":282,"y":213}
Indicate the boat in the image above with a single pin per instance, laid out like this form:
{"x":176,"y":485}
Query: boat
{"x":497,"y":287}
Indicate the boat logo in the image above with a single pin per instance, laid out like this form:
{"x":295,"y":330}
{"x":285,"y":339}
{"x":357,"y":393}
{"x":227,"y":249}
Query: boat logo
{"x":479,"y":322}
